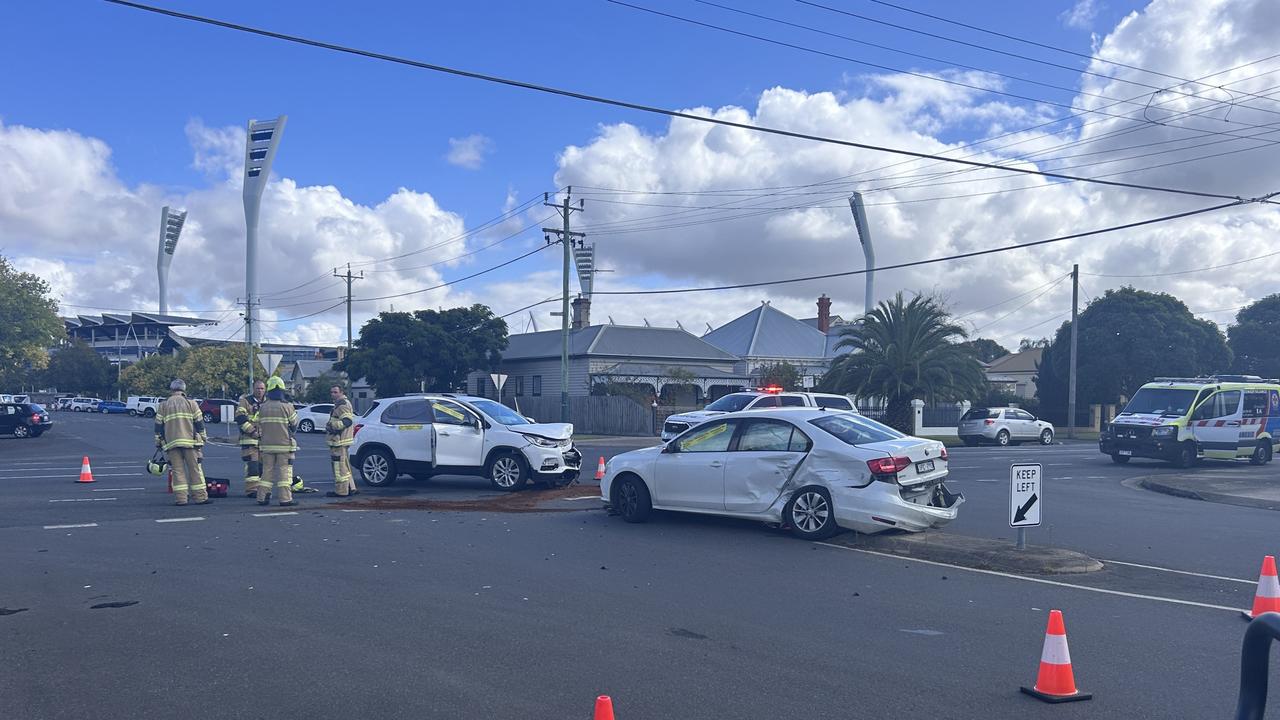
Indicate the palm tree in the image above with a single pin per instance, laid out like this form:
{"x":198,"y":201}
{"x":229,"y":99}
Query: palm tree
{"x":904,"y":350}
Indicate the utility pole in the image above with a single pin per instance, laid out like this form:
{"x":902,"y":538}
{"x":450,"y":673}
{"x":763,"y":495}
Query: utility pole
{"x":248,"y":333}
{"x":1071,"y":383}
{"x":566,"y":241}
{"x":349,"y":278}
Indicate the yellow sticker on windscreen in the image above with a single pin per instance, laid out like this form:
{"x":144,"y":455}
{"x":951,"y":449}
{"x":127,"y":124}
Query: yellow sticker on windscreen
{"x":449,"y":411}
{"x":704,"y":436}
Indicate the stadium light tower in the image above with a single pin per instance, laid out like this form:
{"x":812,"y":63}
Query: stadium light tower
{"x":259,"y":152}
{"x":171,"y":222}
{"x":868,"y":250}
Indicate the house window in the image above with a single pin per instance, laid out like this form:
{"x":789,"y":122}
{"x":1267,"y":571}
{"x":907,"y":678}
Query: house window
{"x":537,"y":386}
{"x":480,"y":386}
{"x":519,"y":385}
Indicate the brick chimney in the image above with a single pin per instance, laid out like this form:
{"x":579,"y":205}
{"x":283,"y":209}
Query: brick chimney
{"x":581,"y":313}
{"x":824,"y":313}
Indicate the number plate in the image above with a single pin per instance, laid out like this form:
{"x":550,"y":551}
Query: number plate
{"x":1126,"y":453}
{"x":924,"y":467}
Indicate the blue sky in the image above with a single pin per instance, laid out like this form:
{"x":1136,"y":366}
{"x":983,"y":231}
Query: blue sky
{"x":137,"y":82}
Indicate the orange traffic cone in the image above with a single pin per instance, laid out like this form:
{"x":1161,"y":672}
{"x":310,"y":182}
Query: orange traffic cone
{"x":604,"y":708}
{"x":86,"y":475}
{"x":600,"y":469}
{"x":1267,"y":598}
{"x":1056,"y":683}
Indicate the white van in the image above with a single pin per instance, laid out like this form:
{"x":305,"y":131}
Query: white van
{"x":142,"y":405}
{"x":83,"y":404}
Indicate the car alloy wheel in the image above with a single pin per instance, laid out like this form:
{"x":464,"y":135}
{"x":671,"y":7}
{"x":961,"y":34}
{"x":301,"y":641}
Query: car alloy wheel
{"x":506,"y":473}
{"x":149,"y":412}
{"x":133,"y":413}
{"x":306,"y":426}
{"x":377,"y":469}
{"x":1002,"y":437}
{"x":1046,"y":437}
{"x":21,"y":431}
{"x":811,"y":515}
{"x":631,"y":499}
{"x":208,"y":417}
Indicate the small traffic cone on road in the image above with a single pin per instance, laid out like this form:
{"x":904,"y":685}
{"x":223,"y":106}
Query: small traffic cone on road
{"x":604,"y":708}
{"x":1056,"y":683}
{"x":1267,"y":598}
{"x":86,"y":474}
{"x":600,"y":469}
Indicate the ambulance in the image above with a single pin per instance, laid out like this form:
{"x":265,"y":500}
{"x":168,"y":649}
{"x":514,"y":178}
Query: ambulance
{"x":1182,"y":420}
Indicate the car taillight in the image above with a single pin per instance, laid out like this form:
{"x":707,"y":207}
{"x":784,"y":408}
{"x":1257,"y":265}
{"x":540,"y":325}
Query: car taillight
{"x":356,"y":431}
{"x":888,"y":465}
{"x":988,"y":422}
{"x":35,"y":418}
{"x":944,"y":453}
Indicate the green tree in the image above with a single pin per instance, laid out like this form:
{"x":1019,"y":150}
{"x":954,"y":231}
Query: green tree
{"x":151,"y":375}
{"x":902,"y":351}
{"x":985,"y":349}
{"x":30,"y":325}
{"x":782,"y":374}
{"x":1126,"y":338}
{"x":397,"y":352}
{"x":318,"y":390}
{"x":1255,"y":338}
{"x":217,"y":370}
{"x":76,"y":367}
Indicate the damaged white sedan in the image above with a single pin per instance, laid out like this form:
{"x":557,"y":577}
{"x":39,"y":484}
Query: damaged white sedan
{"x":808,"y":469}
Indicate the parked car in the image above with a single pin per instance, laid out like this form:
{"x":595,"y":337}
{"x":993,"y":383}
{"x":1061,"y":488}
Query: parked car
{"x":21,"y":398}
{"x":83,"y":404}
{"x":211,"y":408}
{"x":313,"y":418}
{"x":447,"y":434}
{"x":142,"y":405}
{"x":110,"y":407}
{"x":753,"y":400}
{"x":1003,"y":426}
{"x":24,"y":419}
{"x":813,"y":470}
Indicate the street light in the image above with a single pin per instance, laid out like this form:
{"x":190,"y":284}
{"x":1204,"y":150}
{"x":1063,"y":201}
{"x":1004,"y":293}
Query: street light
{"x":171,"y":222}
{"x":259,"y":152}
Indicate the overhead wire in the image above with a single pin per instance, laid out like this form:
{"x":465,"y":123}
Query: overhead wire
{"x":1023,"y":305}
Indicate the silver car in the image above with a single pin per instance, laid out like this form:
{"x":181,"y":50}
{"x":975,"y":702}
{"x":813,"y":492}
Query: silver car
{"x":1003,"y":426}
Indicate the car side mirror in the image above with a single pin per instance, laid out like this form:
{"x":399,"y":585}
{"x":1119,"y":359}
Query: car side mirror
{"x":670,"y":448}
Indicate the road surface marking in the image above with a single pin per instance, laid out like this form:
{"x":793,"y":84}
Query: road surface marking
{"x":84,"y":500}
{"x":169,"y":520}
{"x":274,"y":514}
{"x":68,"y":527}
{"x":1042,"y":581}
{"x":115,"y":489}
{"x":355,"y":511}
{"x":1180,"y":572}
{"x":585,"y":497}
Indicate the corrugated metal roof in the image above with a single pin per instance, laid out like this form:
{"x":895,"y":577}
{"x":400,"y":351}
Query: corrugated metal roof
{"x":616,"y":340}
{"x":768,"y":332}
{"x":313,"y":368}
{"x":700,"y":372}
{"x":1024,"y":361}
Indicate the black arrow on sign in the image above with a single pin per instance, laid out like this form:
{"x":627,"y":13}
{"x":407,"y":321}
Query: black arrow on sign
{"x":1021,"y":514}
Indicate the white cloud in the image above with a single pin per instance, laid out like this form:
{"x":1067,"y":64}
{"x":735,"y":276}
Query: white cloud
{"x":469,"y":152}
{"x":1081,"y":15}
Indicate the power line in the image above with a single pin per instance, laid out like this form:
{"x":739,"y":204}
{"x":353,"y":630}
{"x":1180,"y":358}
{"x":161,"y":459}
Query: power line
{"x":1186,"y":272}
{"x":960,"y":256}
{"x":1015,"y":310}
{"x":1011,"y":299}
{"x":538,"y":249}
{"x":641,"y":107}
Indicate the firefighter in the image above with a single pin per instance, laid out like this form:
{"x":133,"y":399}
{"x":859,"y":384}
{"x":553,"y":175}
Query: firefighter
{"x":276,"y":421}
{"x":247,"y":420}
{"x":180,"y":433}
{"x":339,"y":434}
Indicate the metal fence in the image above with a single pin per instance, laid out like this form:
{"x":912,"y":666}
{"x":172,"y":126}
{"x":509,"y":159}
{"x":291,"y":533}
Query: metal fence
{"x":593,"y":415}
{"x":941,"y":416}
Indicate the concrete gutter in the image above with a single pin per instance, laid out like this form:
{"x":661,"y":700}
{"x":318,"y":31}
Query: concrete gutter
{"x":971,"y":552}
{"x":1262,"y":491}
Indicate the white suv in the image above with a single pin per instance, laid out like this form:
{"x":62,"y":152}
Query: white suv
{"x":735,"y":402}
{"x":141,"y":405}
{"x":446,"y":434}
{"x":83,"y":404}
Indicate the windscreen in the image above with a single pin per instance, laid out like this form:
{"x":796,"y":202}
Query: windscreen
{"x":731,"y":403}
{"x":1168,"y":402}
{"x":980,"y":414}
{"x":500,"y":413}
{"x":855,"y":429}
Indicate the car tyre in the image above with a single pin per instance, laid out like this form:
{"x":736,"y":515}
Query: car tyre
{"x":1046,"y":437}
{"x":1119,"y":459}
{"x":507,"y":472}
{"x":22,"y":431}
{"x":307,"y":426}
{"x":377,"y":467}
{"x":133,"y":413}
{"x":1002,"y":438}
{"x":1186,"y":455}
{"x":149,"y":413}
{"x":207,"y":417}
{"x":630,"y":499}
{"x":1261,"y":454}
{"x":104,"y":411}
{"x":810,"y":514}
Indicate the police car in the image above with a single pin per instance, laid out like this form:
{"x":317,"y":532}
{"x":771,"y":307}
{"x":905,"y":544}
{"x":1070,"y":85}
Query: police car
{"x":762,"y":399}
{"x":447,"y":434}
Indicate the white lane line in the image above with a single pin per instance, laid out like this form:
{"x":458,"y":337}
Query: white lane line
{"x":274,"y":514}
{"x":116,"y":489}
{"x":1042,"y":581}
{"x":84,"y":500}
{"x":1180,"y":572}
{"x":355,"y":511}
{"x":68,"y":527}
{"x":585,"y":497}
{"x":187,"y":519}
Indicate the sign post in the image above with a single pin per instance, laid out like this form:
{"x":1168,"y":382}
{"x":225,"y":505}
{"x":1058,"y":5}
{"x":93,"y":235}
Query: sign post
{"x":1026,"y":498}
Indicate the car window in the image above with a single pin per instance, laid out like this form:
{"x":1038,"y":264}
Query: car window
{"x":1021,"y":415}
{"x":835,"y":403}
{"x":709,"y":437}
{"x":767,"y":401}
{"x":449,"y":413}
{"x":980,"y":414}
{"x":731,"y":403}
{"x":10,"y":410}
{"x":36,"y":407}
{"x":1255,"y":404}
{"x":855,"y":429}
{"x":790,"y":401}
{"x":409,"y":412}
{"x":325,"y":409}
{"x":765,"y":435}
{"x":1219,"y":405}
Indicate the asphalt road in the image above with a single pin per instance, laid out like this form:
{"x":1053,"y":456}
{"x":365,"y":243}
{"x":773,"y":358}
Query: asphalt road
{"x":230,"y":612}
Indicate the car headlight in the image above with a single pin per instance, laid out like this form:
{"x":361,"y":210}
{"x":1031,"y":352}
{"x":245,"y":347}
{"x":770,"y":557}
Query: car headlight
{"x":1164,"y":431}
{"x":541,"y":441}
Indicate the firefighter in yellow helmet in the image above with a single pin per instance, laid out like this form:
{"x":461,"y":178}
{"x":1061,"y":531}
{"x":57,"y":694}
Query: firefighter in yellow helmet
{"x":247,"y":421}
{"x":179,"y":432}
{"x":276,"y":421}
{"x":339,"y":438}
